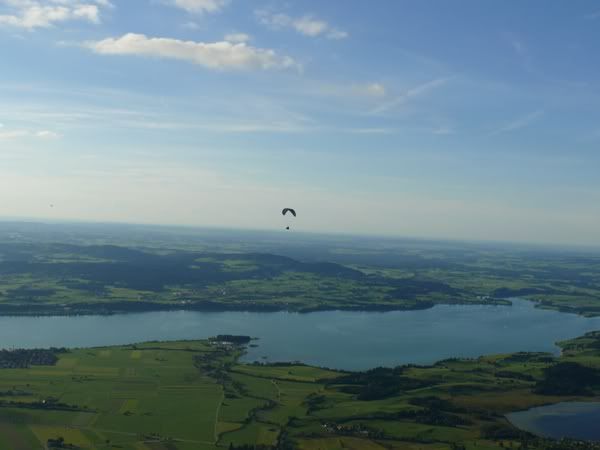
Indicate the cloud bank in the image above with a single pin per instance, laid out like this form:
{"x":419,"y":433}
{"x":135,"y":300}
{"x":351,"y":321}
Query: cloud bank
{"x":32,"y":14}
{"x":200,"y":6}
{"x":307,"y":25}
{"x":222,"y":55}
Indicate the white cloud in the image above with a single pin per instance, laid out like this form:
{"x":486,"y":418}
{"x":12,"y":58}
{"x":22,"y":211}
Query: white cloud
{"x":307,"y":25}
{"x":200,"y":6}
{"x":216,"y":55}
{"x":237,"y":37}
{"x":31,"y":14}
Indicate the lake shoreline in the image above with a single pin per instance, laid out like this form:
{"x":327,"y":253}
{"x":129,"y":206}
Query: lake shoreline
{"x":559,"y":420}
{"x":121,"y":307}
{"x":349,"y":340}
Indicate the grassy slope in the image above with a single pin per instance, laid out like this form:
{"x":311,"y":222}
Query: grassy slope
{"x":126,"y":393}
{"x":559,"y":278}
{"x":66,"y":279}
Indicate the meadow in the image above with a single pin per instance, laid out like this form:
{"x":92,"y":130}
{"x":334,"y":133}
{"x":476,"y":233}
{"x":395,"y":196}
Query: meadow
{"x":50,"y":270}
{"x":194,"y":395}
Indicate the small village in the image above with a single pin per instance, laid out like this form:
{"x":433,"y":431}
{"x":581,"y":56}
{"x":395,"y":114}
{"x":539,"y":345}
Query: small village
{"x":22,"y":358}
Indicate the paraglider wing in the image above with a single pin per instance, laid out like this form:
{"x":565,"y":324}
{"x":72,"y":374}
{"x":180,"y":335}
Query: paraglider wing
{"x":288,"y":210}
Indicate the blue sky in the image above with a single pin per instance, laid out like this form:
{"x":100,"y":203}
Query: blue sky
{"x":467,"y":120}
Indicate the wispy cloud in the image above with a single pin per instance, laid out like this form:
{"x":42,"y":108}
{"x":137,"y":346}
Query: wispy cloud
{"x":222,"y":126}
{"x":518,"y":46}
{"x":590,"y":136}
{"x":416,"y":91}
{"x":237,"y":37}
{"x":443,"y":130}
{"x":7,"y":134}
{"x":521,"y":50}
{"x":372,"y":90}
{"x":190,"y":25}
{"x":369,"y":130}
{"x":221,"y":55}
{"x":47,"y":134}
{"x":593,"y":15}
{"x":259,"y":116}
{"x":307,"y":25}
{"x":519,"y":122}
{"x":199,"y":6}
{"x":12,"y":134}
{"x":32,"y":14}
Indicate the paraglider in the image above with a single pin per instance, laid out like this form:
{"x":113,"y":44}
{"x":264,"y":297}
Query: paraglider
{"x":288,"y":210}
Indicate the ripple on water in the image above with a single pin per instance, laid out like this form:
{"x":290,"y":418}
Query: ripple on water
{"x":577,"y":420}
{"x":337,"y":339}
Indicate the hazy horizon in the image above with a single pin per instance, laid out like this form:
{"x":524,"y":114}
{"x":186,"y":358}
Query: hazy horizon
{"x":470,"y":121}
{"x":174,"y":227}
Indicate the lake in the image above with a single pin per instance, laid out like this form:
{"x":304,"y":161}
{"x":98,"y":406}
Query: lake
{"x":337,"y":339}
{"x":577,"y":420}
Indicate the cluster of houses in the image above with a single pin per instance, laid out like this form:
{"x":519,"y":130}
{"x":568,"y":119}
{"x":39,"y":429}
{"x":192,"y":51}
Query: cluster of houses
{"x":352,"y":430}
{"x":22,"y":359}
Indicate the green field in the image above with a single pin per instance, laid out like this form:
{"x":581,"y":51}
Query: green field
{"x":155,"y":269}
{"x":193,"y":395}
{"x":123,"y":396}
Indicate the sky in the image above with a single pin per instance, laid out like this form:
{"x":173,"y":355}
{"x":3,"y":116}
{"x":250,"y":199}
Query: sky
{"x":476,"y":119}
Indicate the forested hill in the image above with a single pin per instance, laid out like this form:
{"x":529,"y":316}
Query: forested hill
{"x":61,"y":278}
{"x":73,"y":269}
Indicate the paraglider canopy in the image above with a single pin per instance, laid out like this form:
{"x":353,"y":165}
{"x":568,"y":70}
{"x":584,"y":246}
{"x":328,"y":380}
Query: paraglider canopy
{"x":288,"y":210}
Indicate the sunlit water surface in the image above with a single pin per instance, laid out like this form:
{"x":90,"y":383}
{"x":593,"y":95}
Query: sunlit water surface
{"x":337,"y":339}
{"x":577,"y":420}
